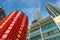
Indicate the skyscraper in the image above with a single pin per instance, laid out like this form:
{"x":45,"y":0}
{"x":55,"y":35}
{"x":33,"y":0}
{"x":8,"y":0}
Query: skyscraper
{"x":2,"y":13}
{"x":14,"y":26}
{"x":49,"y":29}
{"x":54,"y":11}
{"x":37,"y":15}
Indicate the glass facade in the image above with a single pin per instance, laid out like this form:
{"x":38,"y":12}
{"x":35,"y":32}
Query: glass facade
{"x":48,"y":26}
{"x":36,"y":37}
{"x":50,"y":32}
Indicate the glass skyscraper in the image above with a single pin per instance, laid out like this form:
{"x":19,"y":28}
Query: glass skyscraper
{"x":53,"y":10}
{"x":49,"y":28}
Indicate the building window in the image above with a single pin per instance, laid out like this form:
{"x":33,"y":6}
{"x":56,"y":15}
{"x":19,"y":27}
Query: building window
{"x":50,"y":33}
{"x":36,"y":37}
{"x":45,"y":35}
{"x":50,"y":25}
{"x":56,"y":31}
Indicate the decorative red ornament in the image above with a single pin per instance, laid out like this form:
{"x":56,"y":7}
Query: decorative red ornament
{"x":14,"y":26}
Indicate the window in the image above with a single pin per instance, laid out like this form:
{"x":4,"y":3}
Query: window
{"x":50,"y":33}
{"x":45,"y":35}
{"x":48,"y":26}
{"x":36,"y":37}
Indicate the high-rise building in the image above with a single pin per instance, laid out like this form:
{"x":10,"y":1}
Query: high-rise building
{"x":37,"y":15}
{"x":2,"y":13}
{"x":48,"y":27}
{"x":14,"y":26}
{"x":54,"y":11}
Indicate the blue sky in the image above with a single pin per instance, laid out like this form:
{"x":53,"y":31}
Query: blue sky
{"x":28,"y":6}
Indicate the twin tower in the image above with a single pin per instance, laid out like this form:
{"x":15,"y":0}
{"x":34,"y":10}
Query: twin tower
{"x":14,"y":26}
{"x":53,"y":11}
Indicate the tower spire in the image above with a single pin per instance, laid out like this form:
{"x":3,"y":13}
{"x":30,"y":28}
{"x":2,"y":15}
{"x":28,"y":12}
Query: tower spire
{"x":53,"y":10}
{"x":37,"y":15}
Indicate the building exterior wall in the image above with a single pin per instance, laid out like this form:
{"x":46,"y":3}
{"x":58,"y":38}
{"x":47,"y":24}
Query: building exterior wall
{"x":14,"y":26}
{"x":49,"y":30}
{"x":57,"y":20}
{"x":49,"y":27}
{"x":54,"y":12}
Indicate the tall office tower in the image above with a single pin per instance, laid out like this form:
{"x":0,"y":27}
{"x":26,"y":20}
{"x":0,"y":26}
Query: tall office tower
{"x":14,"y":26}
{"x":54,"y":12}
{"x":2,"y":13}
{"x":37,"y":16}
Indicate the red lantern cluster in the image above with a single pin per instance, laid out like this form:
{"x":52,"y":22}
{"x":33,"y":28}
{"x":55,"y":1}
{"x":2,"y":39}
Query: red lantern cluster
{"x":14,"y":26}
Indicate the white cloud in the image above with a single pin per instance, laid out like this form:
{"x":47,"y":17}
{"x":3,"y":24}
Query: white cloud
{"x":58,"y":3}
